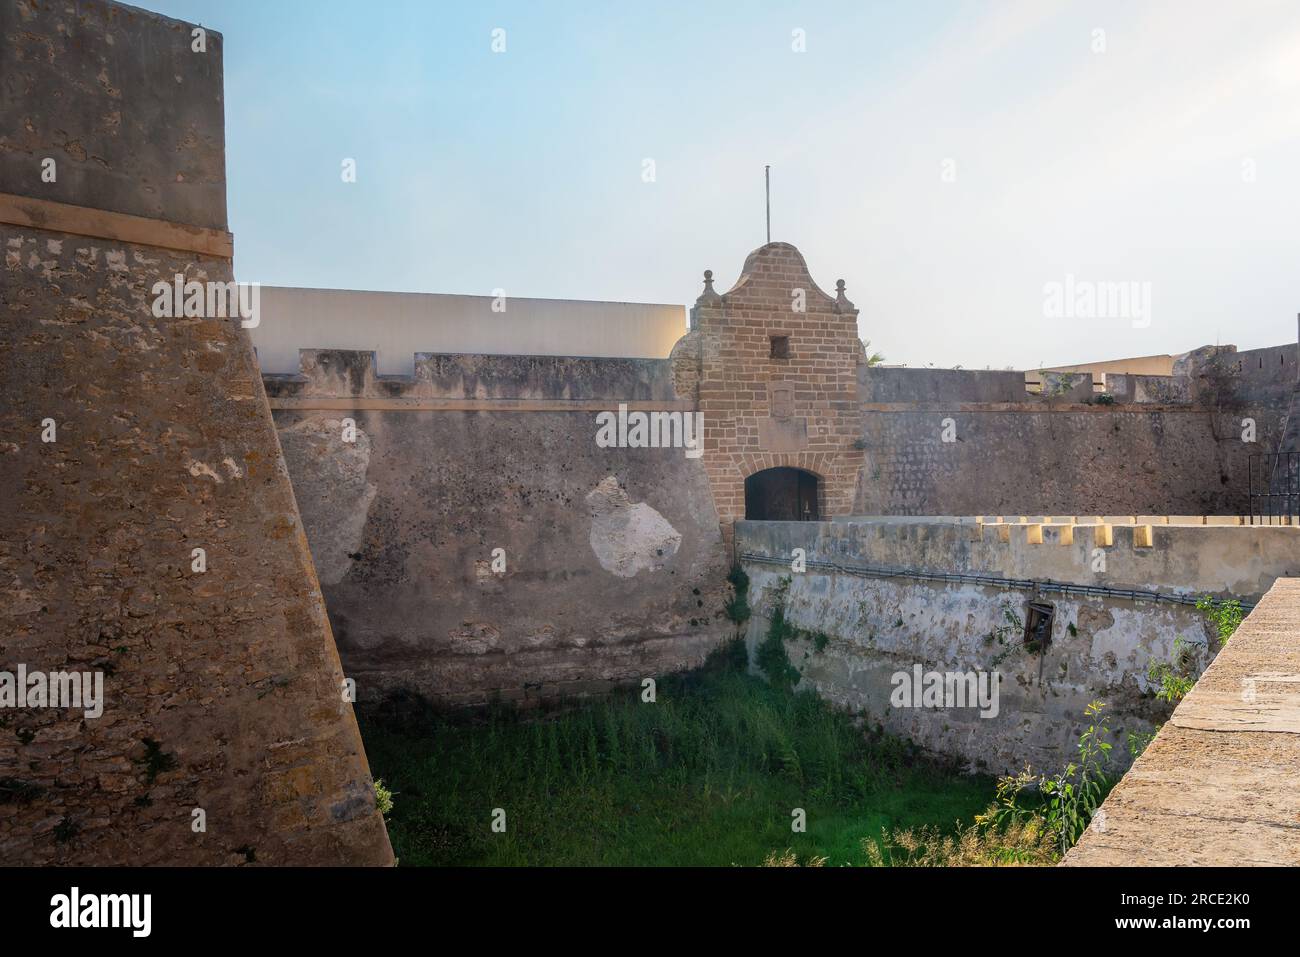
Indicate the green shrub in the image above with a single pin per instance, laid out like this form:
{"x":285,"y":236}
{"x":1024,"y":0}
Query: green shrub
{"x":1177,"y":676}
{"x":1226,"y":615}
{"x":737,"y":607}
{"x":383,"y":798}
{"x":771,"y":655}
{"x":1062,"y":804}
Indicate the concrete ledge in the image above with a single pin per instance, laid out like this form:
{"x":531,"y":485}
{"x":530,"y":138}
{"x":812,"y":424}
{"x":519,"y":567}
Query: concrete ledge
{"x":1188,"y":560}
{"x":1223,"y":520}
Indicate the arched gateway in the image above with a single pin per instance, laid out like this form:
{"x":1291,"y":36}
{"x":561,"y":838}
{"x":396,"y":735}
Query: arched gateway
{"x":781,"y":495}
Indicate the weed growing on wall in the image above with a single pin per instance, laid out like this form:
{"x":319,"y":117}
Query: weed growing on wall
{"x":1174,"y":678}
{"x":1006,"y":635}
{"x":383,"y":798}
{"x":737,"y":607}
{"x":771,"y":655}
{"x":155,"y":760}
{"x":1225,"y":615}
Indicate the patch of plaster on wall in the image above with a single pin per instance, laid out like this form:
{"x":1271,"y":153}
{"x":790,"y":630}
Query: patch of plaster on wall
{"x":628,"y":537}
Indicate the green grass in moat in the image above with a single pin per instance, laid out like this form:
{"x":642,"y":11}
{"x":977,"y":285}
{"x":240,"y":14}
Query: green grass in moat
{"x":708,"y":774}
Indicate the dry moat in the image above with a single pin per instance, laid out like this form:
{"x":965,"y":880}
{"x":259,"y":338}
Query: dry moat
{"x":710,"y":773}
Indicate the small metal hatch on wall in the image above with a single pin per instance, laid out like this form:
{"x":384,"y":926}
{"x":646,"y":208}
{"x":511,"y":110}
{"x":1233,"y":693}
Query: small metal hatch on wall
{"x":1038,"y":626}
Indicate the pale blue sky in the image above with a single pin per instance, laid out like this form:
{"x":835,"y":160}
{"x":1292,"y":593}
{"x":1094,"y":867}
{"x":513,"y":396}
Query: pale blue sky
{"x":523,"y":170}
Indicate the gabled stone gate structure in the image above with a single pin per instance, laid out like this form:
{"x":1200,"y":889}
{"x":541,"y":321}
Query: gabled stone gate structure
{"x":773,"y":365}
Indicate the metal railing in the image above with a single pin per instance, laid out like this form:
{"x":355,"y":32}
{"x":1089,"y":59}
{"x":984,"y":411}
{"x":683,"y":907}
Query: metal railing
{"x":1273,"y":488}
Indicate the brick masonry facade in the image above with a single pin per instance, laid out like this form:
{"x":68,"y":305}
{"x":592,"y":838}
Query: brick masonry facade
{"x":761,"y":411}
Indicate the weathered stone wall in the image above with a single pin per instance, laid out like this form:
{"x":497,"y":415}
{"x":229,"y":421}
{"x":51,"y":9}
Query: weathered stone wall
{"x":1100,"y":648}
{"x":512,"y":435}
{"x":895,"y":384}
{"x":1156,"y":445}
{"x":1030,"y":458}
{"x":613,"y":562}
{"x":1250,"y":377}
{"x":222,"y":689}
{"x":132,"y":116}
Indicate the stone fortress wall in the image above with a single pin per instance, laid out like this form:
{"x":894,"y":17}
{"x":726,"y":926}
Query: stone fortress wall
{"x":949,"y":595}
{"x":476,"y":452}
{"x":475,"y":543}
{"x":471,"y":539}
{"x":1143,"y":444}
{"x":516,"y":462}
{"x":128,"y":441}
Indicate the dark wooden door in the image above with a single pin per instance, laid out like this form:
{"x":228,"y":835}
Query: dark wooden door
{"x":781,"y":495}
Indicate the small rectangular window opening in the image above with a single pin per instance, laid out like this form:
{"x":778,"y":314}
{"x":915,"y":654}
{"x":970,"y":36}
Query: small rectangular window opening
{"x":780,"y":347}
